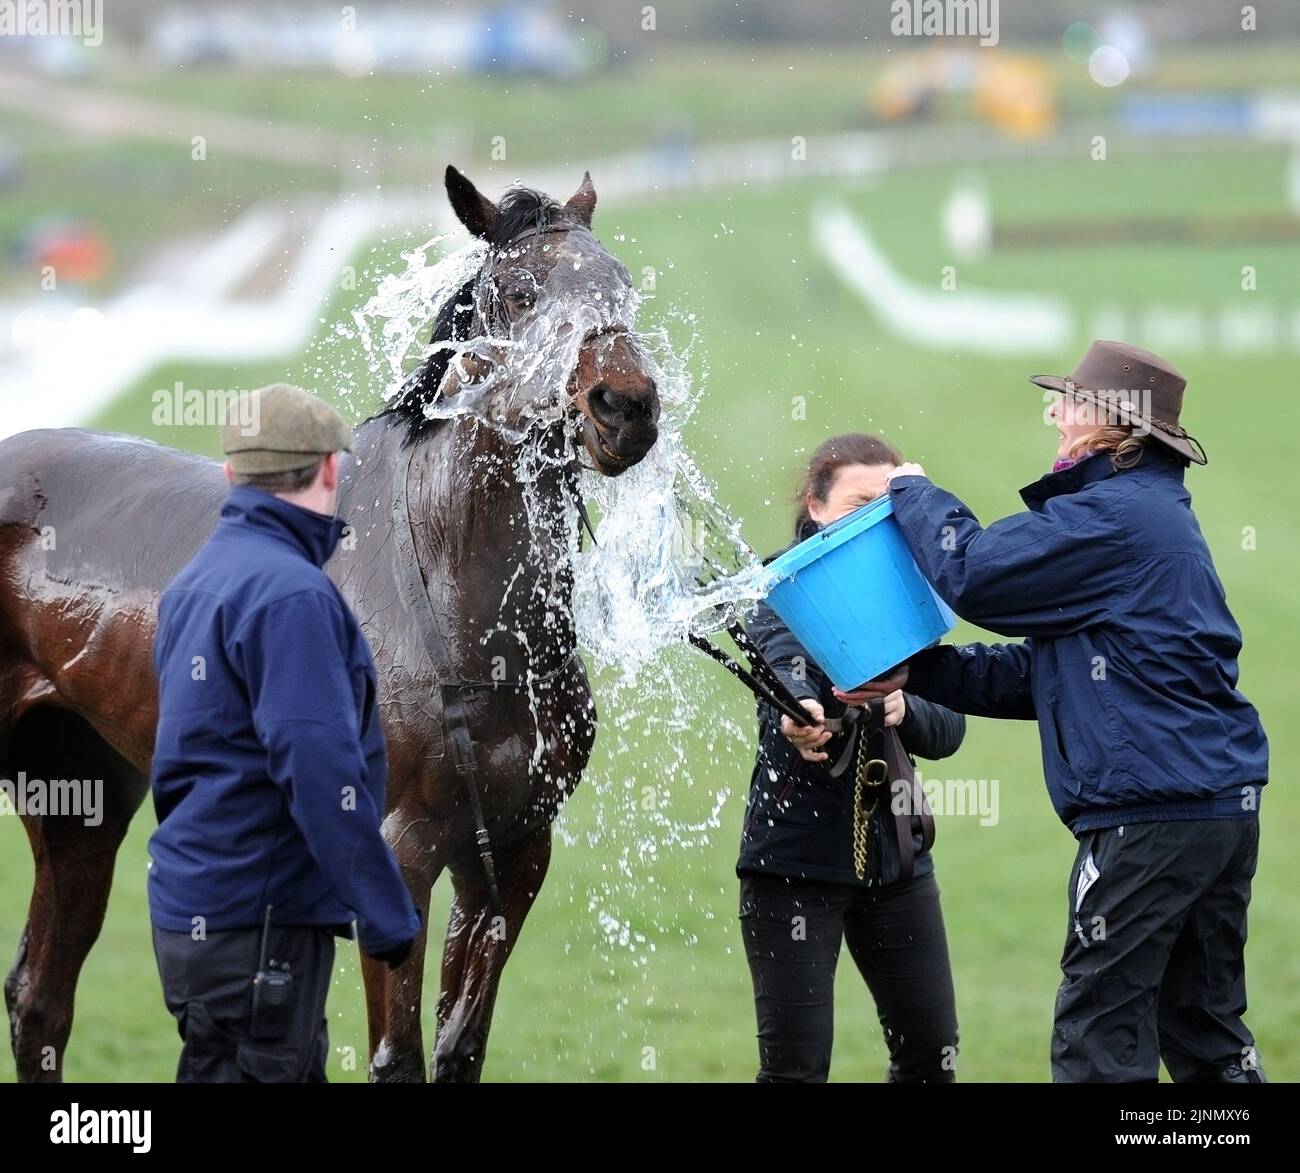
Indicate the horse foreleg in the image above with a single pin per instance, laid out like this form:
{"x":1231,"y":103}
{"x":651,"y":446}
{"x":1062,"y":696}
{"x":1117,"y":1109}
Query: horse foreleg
{"x":393,"y":996}
{"x":479,"y":942}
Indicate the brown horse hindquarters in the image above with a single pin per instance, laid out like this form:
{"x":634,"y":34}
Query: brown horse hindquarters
{"x":92,"y":527}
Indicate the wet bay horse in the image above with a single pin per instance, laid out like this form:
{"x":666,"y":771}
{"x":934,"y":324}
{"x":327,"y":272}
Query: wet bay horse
{"x":444,"y":534}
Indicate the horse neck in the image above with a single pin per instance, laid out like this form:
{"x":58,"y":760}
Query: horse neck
{"x":501,"y":572}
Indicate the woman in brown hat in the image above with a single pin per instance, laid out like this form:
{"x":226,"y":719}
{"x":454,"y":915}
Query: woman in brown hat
{"x":1153,"y":758}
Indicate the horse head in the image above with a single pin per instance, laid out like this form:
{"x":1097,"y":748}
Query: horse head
{"x":554,"y":310}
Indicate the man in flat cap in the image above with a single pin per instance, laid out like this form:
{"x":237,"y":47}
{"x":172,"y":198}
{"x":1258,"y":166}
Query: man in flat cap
{"x":269,"y":770}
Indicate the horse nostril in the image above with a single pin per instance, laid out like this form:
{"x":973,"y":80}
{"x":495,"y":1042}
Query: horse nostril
{"x":613,"y":407}
{"x":639,"y":407}
{"x":602,"y":404}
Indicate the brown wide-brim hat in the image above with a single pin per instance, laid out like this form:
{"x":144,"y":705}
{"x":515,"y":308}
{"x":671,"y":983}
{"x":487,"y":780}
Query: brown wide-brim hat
{"x":1134,"y":386}
{"x":281,"y":428}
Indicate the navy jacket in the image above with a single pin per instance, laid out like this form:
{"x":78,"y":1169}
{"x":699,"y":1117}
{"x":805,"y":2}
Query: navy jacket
{"x":799,"y":821}
{"x":1130,"y":660}
{"x":269,"y":770}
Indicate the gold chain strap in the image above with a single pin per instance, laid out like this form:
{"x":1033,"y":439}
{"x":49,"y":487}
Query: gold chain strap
{"x":864,"y":775}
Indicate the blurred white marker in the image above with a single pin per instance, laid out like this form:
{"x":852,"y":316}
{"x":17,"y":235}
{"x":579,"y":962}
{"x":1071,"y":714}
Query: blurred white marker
{"x":1108,"y":66}
{"x":967,"y":219}
{"x":979,"y":320}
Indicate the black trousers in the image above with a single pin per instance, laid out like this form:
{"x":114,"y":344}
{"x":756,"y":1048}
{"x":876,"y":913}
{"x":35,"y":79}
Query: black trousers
{"x":792,"y":931}
{"x":208,"y":986}
{"x":1154,"y":962}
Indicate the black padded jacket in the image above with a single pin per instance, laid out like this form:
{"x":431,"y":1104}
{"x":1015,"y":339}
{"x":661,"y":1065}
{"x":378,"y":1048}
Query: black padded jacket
{"x":799,"y":821}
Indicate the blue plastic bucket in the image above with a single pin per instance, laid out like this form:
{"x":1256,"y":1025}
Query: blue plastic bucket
{"x":855,"y":598}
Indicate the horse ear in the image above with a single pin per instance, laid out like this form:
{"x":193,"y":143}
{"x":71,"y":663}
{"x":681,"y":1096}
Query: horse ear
{"x":583,"y":201}
{"x":472,"y":208}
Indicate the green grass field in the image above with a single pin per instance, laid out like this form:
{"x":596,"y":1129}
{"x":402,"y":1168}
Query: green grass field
{"x":581,"y":1003}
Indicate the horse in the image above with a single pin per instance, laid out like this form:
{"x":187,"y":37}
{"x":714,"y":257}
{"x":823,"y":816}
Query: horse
{"x":455,"y":563}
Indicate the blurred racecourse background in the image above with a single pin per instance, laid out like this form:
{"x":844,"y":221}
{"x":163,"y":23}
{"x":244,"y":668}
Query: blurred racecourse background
{"x":844,"y":228}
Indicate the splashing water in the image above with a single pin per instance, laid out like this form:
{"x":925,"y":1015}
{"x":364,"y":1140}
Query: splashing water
{"x":393,"y":323}
{"x":667,"y":561}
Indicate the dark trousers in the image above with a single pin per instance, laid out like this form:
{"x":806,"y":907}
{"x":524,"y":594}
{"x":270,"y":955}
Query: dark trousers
{"x":792,"y":931}
{"x":1154,"y":961}
{"x":208,"y":986}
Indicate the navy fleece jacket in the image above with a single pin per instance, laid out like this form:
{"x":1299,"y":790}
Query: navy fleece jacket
{"x":269,"y":769}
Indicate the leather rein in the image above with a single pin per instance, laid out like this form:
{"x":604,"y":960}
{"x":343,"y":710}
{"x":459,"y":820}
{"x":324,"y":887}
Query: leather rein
{"x":877,"y":750}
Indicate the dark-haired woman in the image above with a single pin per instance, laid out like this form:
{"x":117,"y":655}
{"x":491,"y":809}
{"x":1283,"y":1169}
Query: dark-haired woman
{"x":819,"y":865}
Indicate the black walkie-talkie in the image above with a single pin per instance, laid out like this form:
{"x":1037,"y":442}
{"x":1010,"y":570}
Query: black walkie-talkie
{"x":272,"y":993}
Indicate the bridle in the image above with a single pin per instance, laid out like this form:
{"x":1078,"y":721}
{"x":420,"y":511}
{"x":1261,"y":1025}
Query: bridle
{"x":490,"y":304}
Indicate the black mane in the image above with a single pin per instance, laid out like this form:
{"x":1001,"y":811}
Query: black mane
{"x":520,"y":210}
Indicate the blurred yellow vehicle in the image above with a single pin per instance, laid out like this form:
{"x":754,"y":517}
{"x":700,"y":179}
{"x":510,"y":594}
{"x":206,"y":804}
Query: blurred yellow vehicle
{"x":1013,"y":92}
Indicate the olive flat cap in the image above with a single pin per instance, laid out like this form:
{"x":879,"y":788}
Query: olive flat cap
{"x":280,"y":428}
